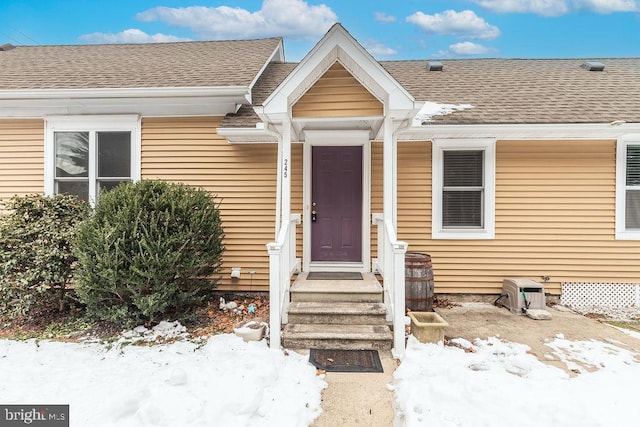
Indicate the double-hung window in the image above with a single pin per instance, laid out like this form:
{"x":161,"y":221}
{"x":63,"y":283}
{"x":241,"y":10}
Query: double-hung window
{"x":628,"y":188}
{"x":463,"y":192}
{"x":90,"y":154}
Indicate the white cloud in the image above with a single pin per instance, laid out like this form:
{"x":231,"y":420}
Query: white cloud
{"x":295,"y":19}
{"x":470,"y":48}
{"x":383,"y":17}
{"x":132,"y":35}
{"x":559,"y":7}
{"x":538,"y":7}
{"x":376,"y":48}
{"x":450,"y":22}
{"x":608,"y":6}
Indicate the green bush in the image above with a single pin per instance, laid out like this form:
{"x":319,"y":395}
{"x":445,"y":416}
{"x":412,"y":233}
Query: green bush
{"x":36,"y":258}
{"x":148,"y":251}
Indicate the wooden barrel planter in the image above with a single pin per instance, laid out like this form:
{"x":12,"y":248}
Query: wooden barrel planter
{"x":418,"y":281}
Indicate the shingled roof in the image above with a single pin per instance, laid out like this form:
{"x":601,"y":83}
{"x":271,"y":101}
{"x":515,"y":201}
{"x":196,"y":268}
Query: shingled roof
{"x":526,"y":90}
{"x":153,"y":65}
{"x":272,"y":76}
{"x":502,"y":91}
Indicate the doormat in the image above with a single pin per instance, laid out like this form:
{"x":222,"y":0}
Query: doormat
{"x":334,"y":275}
{"x":346,"y":360}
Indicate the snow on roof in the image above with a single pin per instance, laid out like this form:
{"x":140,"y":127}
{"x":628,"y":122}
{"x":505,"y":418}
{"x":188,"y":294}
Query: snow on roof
{"x":430,"y":109}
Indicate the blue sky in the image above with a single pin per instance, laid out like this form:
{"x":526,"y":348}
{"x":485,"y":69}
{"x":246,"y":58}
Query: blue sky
{"x":400,"y":29}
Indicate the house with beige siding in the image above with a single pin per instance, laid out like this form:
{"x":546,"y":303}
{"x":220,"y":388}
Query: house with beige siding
{"x":497,"y":168}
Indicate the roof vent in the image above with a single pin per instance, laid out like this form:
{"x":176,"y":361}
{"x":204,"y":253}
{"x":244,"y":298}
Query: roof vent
{"x":434,"y":66}
{"x":6,"y":46}
{"x":592,"y":66}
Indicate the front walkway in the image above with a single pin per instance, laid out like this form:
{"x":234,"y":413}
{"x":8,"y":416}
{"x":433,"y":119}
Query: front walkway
{"x":359,"y":398}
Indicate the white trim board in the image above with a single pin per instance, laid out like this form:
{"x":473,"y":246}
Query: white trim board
{"x":130,"y":123}
{"x":622,"y":233}
{"x":488,"y":231}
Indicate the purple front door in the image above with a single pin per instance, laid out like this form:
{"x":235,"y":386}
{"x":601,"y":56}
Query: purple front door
{"x":336,"y":196}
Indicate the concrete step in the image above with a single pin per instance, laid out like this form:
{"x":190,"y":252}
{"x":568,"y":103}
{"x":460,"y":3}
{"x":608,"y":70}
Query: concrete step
{"x":338,"y":313}
{"x":351,"y":337}
{"x":367,"y":290}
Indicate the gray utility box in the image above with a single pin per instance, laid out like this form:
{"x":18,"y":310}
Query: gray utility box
{"x":514,"y":300}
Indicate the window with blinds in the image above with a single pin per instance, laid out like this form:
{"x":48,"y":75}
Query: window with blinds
{"x":463,"y":189}
{"x":632,"y":177}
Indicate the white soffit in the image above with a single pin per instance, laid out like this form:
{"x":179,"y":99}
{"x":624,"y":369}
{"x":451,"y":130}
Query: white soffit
{"x":247,"y":135}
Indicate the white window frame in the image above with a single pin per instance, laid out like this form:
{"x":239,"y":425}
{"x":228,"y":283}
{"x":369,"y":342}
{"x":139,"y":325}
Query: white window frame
{"x":621,"y":187}
{"x":123,"y":123}
{"x":439,"y":146}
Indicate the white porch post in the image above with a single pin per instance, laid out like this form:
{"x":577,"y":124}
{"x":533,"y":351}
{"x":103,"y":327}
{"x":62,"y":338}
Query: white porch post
{"x":389,"y":171}
{"x":278,"y":288}
{"x":286,"y":170}
{"x":279,"y":188}
{"x":394,"y":279}
{"x":286,"y":214}
{"x":399,"y":249}
{"x":274,"y":295}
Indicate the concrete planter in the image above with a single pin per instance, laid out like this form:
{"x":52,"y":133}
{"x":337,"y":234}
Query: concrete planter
{"x":252,"y":330}
{"x":427,"y":327}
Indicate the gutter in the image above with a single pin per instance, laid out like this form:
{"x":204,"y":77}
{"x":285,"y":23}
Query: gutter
{"x":215,"y":91}
{"x":524,"y":131}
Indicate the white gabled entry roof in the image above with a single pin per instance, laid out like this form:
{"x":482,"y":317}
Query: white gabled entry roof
{"x":338,"y":45}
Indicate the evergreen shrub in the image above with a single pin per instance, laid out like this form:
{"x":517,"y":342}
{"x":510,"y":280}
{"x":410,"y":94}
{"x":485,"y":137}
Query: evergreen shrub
{"x":149,"y":250}
{"x":36,"y":256}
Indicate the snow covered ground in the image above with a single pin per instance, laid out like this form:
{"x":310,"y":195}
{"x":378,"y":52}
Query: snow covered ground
{"x":222,"y":381}
{"x":494,"y":383}
{"x":227,"y":382}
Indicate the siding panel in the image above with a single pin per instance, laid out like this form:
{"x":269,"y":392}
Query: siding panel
{"x":243,"y":177}
{"x":555,"y":216}
{"x":21,"y":157}
{"x":337,"y":94}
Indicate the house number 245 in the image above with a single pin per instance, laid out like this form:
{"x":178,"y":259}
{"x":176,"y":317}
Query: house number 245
{"x":285,"y":170}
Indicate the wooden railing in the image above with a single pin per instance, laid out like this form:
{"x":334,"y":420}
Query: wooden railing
{"x":282,"y":265}
{"x":390,"y":265}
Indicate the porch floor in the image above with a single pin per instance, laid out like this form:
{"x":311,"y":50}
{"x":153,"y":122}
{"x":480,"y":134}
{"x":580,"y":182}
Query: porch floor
{"x":368,"y":285}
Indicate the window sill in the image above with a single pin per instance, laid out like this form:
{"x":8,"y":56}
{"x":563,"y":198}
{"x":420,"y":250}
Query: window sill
{"x":627,"y":235}
{"x":463,"y":235}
